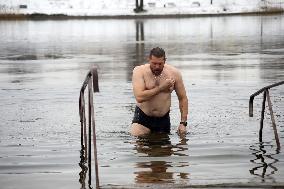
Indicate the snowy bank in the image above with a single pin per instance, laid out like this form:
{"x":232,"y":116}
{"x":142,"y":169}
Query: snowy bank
{"x":124,"y":8}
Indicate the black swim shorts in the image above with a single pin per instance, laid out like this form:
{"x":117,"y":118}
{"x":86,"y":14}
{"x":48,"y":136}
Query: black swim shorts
{"x":155,"y":124}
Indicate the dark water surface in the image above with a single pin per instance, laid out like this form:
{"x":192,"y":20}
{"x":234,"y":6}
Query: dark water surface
{"x":223,"y":61}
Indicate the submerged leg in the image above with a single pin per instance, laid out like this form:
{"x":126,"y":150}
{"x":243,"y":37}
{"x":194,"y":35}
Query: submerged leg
{"x":139,"y":130}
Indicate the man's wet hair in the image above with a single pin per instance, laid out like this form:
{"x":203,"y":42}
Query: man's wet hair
{"x":158,"y":52}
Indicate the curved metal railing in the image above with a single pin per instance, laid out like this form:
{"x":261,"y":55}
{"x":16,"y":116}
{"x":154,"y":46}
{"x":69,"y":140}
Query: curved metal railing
{"x":91,"y":81}
{"x":266,"y":95}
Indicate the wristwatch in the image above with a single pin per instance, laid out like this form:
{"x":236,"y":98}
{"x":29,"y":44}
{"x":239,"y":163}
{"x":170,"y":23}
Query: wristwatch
{"x":184,"y":123}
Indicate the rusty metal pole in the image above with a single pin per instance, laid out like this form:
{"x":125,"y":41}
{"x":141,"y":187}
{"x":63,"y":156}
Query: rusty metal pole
{"x":81,"y":118}
{"x":90,"y":92}
{"x":85,"y":126}
{"x":273,"y":120}
{"x":83,"y":122}
{"x":93,"y":127}
{"x":95,"y":89}
{"x":262,"y":116}
{"x":251,"y":106}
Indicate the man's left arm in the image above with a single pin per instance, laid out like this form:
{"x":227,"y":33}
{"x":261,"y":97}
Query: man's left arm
{"x":183,"y":102}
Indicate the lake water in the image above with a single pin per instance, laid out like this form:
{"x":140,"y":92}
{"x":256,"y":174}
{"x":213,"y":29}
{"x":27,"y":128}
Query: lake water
{"x":223,"y":61}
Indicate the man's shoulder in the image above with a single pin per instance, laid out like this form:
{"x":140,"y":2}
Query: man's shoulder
{"x":172,"y":69}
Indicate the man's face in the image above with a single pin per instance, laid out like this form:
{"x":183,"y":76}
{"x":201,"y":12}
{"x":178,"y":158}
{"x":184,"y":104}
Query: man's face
{"x":156,"y":65}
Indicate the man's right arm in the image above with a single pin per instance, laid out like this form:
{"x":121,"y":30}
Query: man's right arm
{"x":140,"y":92}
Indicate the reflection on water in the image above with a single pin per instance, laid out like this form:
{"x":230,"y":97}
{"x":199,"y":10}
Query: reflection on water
{"x":154,"y":145}
{"x":157,"y":171}
{"x":265,"y":161}
{"x":139,"y":56}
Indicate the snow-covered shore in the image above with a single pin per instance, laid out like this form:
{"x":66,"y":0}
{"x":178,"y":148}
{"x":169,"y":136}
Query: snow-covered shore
{"x":125,"y":8}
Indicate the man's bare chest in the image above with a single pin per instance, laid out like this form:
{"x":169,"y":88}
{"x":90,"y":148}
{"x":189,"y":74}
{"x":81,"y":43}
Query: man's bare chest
{"x":152,"y":81}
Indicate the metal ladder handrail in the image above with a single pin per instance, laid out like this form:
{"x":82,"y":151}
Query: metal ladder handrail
{"x":266,"y":95}
{"x":91,"y":81}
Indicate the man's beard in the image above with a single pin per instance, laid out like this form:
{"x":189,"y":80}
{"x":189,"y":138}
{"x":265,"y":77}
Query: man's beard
{"x":157,"y":72}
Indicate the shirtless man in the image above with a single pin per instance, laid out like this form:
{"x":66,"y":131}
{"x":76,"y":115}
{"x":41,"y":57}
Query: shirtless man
{"x":153,"y":84}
